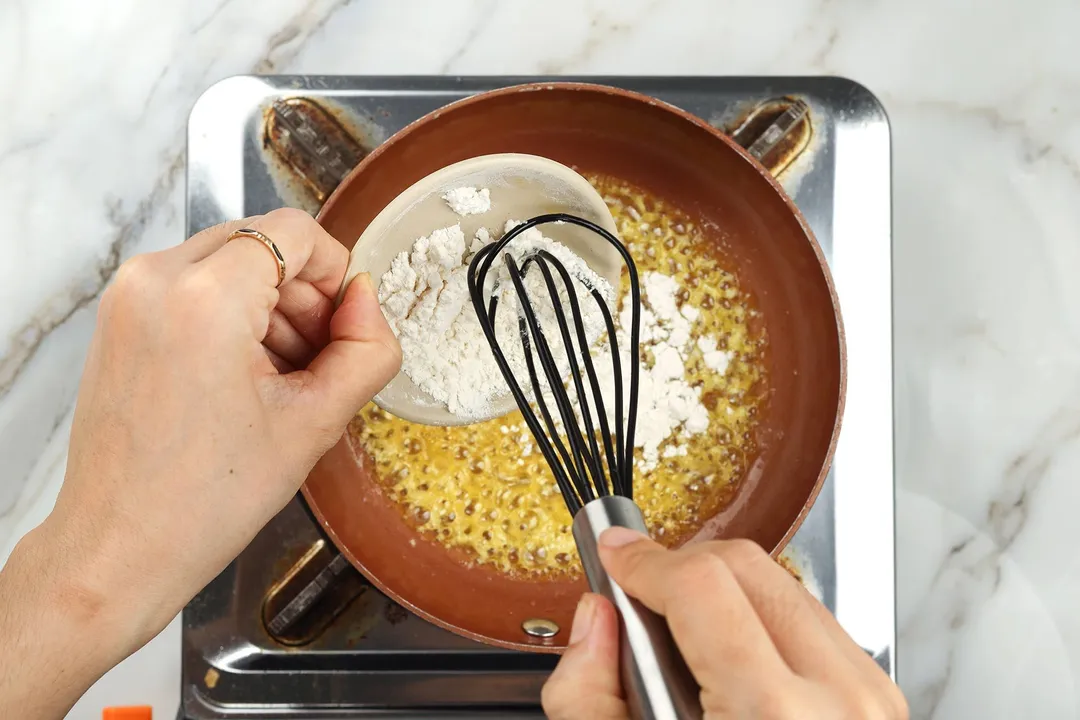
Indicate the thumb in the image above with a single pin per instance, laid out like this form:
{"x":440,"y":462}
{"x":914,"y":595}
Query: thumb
{"x":362,"y":357}
{"x":585,"y":683}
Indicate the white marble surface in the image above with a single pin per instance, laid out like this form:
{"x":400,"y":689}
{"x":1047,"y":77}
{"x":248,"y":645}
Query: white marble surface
{"x":984,"y":100}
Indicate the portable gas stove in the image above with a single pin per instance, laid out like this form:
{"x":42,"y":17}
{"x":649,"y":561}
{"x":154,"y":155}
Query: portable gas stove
{"x":291,"y":630}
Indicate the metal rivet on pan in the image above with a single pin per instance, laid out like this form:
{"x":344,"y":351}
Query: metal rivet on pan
{"x":540,"y":627}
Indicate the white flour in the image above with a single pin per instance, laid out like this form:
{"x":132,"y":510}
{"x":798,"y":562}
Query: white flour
{"x":667,"y":404}
{"x":716,"y":360}
{"x":425,"y":298}
{"x":468,"y":200}
{"x":669,"y":407}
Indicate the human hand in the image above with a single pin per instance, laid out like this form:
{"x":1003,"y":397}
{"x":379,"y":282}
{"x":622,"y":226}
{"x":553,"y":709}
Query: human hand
{"x":758,"y":644}
{"x":207,"y":396}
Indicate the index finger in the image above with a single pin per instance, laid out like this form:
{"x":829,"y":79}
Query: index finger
{"x":711,"y":619}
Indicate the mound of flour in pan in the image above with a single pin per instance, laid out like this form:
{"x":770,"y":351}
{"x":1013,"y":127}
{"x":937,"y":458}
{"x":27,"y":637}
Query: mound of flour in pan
{"x":425,"y":297}
{"x":670,"y":408}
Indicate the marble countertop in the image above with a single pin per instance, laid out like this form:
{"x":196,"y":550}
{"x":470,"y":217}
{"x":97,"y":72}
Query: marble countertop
{"x":983,"y":102}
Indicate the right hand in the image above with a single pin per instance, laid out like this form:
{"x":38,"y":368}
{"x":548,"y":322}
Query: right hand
{"x":759,"y":644}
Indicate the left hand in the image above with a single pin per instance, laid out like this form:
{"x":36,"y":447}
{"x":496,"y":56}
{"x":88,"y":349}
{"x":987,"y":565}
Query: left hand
{"x":208,"y":395}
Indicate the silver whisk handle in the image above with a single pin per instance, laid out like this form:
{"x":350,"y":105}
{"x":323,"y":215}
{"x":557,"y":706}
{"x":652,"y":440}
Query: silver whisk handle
{"x":655,"y":678}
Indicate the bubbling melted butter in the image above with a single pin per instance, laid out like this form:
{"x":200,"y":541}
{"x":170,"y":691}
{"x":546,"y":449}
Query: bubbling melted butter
{"x":473,"y":488}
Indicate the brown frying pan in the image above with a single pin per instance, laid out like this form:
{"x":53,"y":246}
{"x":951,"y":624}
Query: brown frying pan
{"x":676,"y":157}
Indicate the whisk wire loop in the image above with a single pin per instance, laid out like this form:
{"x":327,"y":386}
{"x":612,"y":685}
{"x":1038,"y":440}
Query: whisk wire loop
{"x":543,"y":259}
{"x":573,"y":467}
{"x":584,"y":461}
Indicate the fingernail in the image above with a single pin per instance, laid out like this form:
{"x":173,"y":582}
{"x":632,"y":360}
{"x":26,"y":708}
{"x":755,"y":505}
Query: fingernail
{"x":583,"y":619}
{"x":617,"y":537}
{"x":366,"y":287}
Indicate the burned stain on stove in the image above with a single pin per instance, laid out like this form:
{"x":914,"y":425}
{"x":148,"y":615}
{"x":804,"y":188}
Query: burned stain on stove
{"x":361,"y":618}
{"x":794,"y":570}
{"x":311,"y":146}
{"x":798,"y":565}
{"x":775,"y":132}
{"x":395,"y":614}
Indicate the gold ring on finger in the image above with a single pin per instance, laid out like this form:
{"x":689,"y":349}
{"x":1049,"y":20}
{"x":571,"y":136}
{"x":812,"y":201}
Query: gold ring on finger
{"x":256,"y":235}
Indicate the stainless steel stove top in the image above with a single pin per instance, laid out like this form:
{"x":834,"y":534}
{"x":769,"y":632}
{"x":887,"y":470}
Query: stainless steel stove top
{"x":290,"y":630}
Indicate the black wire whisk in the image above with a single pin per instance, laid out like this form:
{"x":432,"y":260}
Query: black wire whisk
{"x":595,"y":477}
